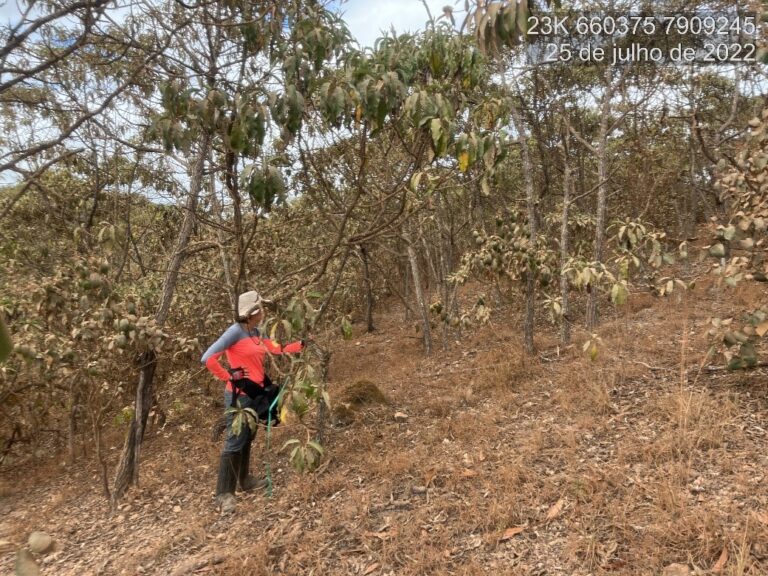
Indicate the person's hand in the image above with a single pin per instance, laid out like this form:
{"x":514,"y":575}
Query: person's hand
{"x":237,"y":373}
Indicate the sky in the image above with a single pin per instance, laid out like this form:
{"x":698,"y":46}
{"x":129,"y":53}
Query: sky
{"x":368,"y":18}
{"x":365,"y":18}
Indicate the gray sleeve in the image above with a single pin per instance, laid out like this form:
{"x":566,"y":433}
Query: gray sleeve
{"x":229,"y":338}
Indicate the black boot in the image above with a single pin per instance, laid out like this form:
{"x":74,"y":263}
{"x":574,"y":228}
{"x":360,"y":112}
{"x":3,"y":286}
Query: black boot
{"x":227,"y":481}
{"x":246,"y":481}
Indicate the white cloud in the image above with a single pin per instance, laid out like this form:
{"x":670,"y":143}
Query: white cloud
{"x":368,"y":19}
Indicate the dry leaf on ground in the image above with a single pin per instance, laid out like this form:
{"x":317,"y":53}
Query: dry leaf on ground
{"x":511,"y":533}
{"x":555,"y":510}
{"x":722,"y":561}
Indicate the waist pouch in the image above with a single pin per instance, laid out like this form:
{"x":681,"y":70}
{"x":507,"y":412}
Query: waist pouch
{"x":262,"y":397}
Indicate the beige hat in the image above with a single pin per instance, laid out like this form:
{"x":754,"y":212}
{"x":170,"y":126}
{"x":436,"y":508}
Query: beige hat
{"x":248,"y":303}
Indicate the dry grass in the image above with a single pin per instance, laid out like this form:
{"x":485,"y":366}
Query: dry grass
{"x":504,"y":465}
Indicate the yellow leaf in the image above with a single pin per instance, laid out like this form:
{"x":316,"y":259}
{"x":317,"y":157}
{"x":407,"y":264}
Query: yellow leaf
{"x":463,"y":161}
{"x":762,"y":328}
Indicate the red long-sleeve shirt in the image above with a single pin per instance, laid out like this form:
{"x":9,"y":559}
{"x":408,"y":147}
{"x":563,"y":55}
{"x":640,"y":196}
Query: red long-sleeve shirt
{"x":244,"y":350}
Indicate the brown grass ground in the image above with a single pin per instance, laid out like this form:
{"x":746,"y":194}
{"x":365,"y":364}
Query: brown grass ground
{"x":505,"y":465}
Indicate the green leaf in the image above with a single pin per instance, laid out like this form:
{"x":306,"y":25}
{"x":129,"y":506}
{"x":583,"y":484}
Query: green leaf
{"x":522,"y":16}
{"x":735,"y":363}
{"x":237,"y":423}
{"x":748,"y":354}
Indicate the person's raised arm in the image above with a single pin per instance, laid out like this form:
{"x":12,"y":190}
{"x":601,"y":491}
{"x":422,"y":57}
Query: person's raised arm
{"x":275,"y":348}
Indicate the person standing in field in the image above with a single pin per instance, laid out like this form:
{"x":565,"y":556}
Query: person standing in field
{"x":246,"y":386}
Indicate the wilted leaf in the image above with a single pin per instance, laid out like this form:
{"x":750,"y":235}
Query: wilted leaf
{"x":316,"y":447}
{"x":436,"y":129}
{"x":415,"y":179}
{"x":717,"y":250}
{"x":555,"y":510}
{"x":463,"y":161}
{"x":618,"y":294}
{"x":762,"y":328}
{"x":510,"y":533}
{"x":722,"y":561}
{"x":346,"y":328}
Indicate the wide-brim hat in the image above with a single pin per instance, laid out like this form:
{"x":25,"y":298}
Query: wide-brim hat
{"x":250,"y":302}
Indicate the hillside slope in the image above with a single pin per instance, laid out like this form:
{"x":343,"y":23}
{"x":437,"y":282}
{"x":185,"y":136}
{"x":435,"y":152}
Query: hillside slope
{"x":501,"y":465}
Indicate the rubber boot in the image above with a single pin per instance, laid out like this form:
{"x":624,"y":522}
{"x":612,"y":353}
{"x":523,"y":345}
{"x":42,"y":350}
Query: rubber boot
{"x":227,"y":481}
{"x":246,"y":481}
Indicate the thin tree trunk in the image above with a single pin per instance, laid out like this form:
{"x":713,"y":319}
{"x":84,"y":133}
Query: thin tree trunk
{"x":322,"y":411}
{"x":368,"y":290}
{"x":530,"y":193}
{"x":445,"y":258}
{"x":72,"y":424}
{"x":693,"y":193}
{"x":418,"y":290}
{"x":565,"y":325}
{"x":225,"y":262}
{"x":406,"y":286}
{"x":602,"y":192}
{"x":128,"y":468}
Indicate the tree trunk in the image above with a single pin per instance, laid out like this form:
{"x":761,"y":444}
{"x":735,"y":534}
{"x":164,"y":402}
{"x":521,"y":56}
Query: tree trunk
{"x":602,"y":192}
{"x":225,"y":260}
{"x":565,"y":325}
{"x":445,"y":262}
{"x":693,"y":194}
{"x":368,"y":290}
{"x":72,"y":424}
{"x":530,"y":193}
{"x":419,"y":291}
{"x":406,"y":285}
{"x":128,"y":468}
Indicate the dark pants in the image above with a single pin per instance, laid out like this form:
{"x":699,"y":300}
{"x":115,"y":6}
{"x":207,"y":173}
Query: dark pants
{"x":233,"y":444}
